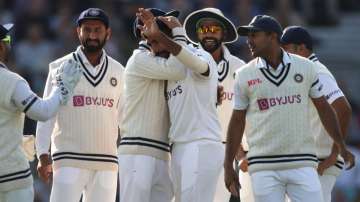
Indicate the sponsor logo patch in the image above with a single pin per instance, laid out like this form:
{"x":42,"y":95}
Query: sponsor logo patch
{"x":81,"y":101}
{"x":254,"y":82}
{"x":266,"y":103}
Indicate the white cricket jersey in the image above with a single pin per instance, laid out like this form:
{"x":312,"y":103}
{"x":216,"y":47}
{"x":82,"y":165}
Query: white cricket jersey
{"x":226,"y":69}
{"x":85,"y":130}
{"x":14,"y":167}
{"x":192,"y":104}
{"x":145,"y":126}
{"x":323,"y":141}
{"x":277,"y":104}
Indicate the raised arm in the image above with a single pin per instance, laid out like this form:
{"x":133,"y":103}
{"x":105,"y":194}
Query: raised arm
{"x":151,"y":31}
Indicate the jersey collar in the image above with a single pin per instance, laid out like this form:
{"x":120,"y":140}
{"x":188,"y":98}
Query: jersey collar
{"x":261,"y":63}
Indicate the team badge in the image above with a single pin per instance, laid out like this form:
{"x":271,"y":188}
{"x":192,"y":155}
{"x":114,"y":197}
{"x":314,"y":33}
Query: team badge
{"x":94,"y":12}
{"x":113,"y":81}
{"x":298,"y":78}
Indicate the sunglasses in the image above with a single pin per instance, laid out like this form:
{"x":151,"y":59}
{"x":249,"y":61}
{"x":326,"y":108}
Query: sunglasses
{"x":7,"y":40}
{"x":206,"y":29}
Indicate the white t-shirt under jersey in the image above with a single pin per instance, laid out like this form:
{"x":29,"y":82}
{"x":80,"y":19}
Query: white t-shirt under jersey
{"x":192,"y":104}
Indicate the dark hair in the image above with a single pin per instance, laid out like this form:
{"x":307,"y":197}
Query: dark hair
{"x":163,"y":27}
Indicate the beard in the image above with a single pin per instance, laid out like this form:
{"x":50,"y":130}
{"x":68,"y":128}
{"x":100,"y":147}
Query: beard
{"x":210,"y":44}
{"x":7,"y":54}
{"x":93,"y":45}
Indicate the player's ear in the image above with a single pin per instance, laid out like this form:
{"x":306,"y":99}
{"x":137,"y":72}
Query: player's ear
{"x":108,"y":34}
{"x":2,"y":47}
{"x":78,"y":31}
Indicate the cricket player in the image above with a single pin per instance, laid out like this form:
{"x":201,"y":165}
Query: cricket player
{"x":197,"y":151}
{"x":16,"y":101}
{"x":144,"y":150}
{"x":84,"y":132}
{"x":273,"y":95}
{"x":211,"y":30}
{"x":297,"y":40}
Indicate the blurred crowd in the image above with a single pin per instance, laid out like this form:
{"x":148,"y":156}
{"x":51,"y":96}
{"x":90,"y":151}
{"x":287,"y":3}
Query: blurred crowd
{"x":45,"y":30}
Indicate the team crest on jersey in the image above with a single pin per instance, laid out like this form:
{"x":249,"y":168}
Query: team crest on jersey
{"x":113,"y":81}
{"x":298,"y":78}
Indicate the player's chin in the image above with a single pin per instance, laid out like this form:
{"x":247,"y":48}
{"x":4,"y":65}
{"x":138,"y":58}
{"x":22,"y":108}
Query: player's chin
{"x":91,"y":48}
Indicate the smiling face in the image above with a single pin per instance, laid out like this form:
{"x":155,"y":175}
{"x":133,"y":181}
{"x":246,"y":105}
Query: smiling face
{"x":93,"y":35}
{"x":259,"y":43}
{"x":210,"y":34}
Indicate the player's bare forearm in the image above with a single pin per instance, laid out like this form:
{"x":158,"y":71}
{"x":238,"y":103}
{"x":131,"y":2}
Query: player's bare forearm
{"x":329,"y":120}
{"x":234,"y":136}
{"x":343,"y":112}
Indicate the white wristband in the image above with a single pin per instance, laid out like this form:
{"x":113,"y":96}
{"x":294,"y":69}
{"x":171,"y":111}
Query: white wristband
{"x":192,"y":61}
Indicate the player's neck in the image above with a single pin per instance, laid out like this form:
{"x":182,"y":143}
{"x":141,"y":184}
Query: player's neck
{"x":307,"y":54}
{"x":94,"y":58}
{"x":218,"y":54}
{"x":274,"y":58}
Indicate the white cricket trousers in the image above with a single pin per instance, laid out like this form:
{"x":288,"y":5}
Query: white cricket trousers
{"x":221,"y":193}
{"x":195,"y":169}
{"x":95,"y":185}
{"x":18,"y":195}
{"x":327,"y":184}
{"x":246,"y":192}
{"x":144,"y":179}
{"x":300,"y":185}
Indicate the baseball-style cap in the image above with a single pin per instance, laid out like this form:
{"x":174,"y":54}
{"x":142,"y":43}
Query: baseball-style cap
{"x":5,"y":29}
{"x":156,"y":12}
{"x":93,"y":14}
{"x":296,"y":35}
{"x":261,"y":23}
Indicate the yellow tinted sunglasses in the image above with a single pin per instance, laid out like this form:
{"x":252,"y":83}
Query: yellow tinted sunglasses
{"x":7,"y":40}
{"x":206,"y":29}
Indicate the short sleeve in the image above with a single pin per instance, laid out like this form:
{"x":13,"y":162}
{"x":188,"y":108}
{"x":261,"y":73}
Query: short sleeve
{"x":315,"y":84}
{"x":241,"y":99}
{"x":330,"y":89}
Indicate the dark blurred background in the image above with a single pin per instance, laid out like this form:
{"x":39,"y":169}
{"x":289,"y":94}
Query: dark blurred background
{"x":45,"y":30}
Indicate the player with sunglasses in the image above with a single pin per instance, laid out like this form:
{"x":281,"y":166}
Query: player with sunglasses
{"x":211,"y":30}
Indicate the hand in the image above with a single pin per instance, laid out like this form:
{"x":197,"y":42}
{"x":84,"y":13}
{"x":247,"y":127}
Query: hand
{"x":145,"y":16}
{"x":220,"y":94}
{"x":349,"y":158}
{"x":44,"y":168}
{"x":150,"y":29}
{"x":326,"y":163}
{"x":66,"y":78}
{"x":244,"y":165}
{"x":170,"y":21}
{"x":232,"y":181}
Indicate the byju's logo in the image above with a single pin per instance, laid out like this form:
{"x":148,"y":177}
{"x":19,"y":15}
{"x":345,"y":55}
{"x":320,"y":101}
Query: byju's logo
{"x":78,"y":101}
{"x":266,"y":103}
{"x":263,"y":104}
